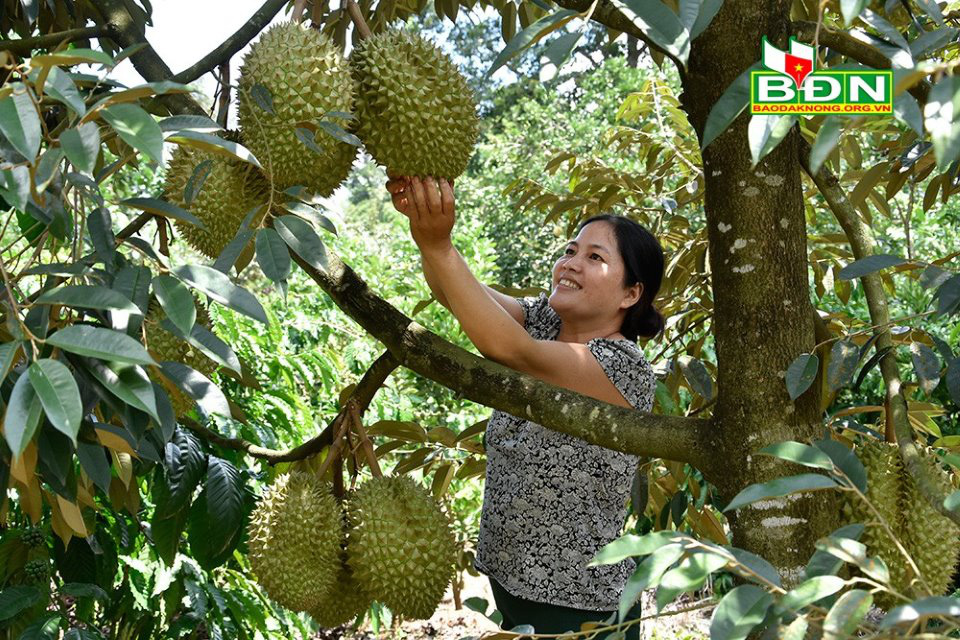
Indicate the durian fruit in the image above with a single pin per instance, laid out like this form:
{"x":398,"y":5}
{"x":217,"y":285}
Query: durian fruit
{"x":165,"y":346}
{"x":401,"y":546}
{"x":306,"y":77}
{"x":416,"y":113}
{"x":231,"y":188}
{"x":342,"y":604}
{"x":295,"y":539}
{"x":930,"y":538}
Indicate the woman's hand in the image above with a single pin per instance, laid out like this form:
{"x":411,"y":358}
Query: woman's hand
{"x":429,"y":205}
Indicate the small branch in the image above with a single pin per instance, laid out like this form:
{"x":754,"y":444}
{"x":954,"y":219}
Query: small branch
{"x":340,"y":424}
{"x":365,"y":443}
{"x":25,"y":46}
{"x":298,"y":7}
{"x":849,"y":46}
{"x":357,"y":16}
{"x":862,"y":245}
{"x":223,"y":106}
{"x":257,"y":22}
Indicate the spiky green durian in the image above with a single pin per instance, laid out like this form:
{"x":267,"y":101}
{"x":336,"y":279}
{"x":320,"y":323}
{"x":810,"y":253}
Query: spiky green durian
{"x":228,"y":191}
{"x":306,"y":78}
{"x":343,"y":603}
{"x":416,"y":114}
{"x":401,"y":546}
{"x":295,"y":540}
{"x":165,"y":346}
{"x":929,"y":538}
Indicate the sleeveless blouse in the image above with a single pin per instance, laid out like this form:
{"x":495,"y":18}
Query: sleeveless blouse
{"x":551,"y":501}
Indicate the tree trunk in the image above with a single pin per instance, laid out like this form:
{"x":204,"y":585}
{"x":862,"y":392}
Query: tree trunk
{"x":762,"y":310}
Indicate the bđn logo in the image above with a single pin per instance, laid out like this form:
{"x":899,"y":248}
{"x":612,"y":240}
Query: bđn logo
{"x":793,"y":85}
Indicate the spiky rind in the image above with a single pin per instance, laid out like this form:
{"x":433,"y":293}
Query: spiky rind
{"x":342,"y":604}
{"x":295,"y":539}
{"x":416,"y":114}
{"x":164,"y":346}
{"x":231,"y":188}
{"x":401,"y":546}
{"x":306,"y":78}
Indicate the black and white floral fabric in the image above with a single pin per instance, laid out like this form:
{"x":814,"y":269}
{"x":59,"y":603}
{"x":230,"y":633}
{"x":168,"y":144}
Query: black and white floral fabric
{"x":551,"y":501}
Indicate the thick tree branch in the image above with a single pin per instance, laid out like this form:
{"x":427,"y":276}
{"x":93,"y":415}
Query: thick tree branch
{"x":362,"y":395}
{"x":493,"y":385}
{"x":862,"y":245}
{"x":121,"y":28}
{"x":845,"y":44}
{"x":234,"y":43}
{"x":24,"y":46}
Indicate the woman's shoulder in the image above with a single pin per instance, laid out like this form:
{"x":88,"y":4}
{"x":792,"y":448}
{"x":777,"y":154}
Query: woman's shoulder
{"x":627,"y":367}
{"x":540,"y":320}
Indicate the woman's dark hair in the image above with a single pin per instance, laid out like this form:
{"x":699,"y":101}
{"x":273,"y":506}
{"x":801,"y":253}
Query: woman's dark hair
{"x":643,"y":261}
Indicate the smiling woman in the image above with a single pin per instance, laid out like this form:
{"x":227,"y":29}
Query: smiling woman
{"x":551,"y":501}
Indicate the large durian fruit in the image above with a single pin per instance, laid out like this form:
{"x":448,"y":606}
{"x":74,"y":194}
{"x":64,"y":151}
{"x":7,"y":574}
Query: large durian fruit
{"x":416,"y":114}
{"x":306,"y":78}
{"x":343,"y":604}
{"x":231,"y":188}
{"x":930,"y":538}
{"x":295,"y":541}
{"x":401,"y":547}
{"x":165,"y":346}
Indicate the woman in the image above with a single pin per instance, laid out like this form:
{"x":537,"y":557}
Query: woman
{"x":551,"y":501}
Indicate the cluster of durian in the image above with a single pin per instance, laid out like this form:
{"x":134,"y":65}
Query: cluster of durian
{"x":929,"y":537}
{"x":389,"y":541}
{"x":409,"y":105}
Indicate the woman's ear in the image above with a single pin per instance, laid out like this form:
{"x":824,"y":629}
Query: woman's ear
{"x":633,"y":296}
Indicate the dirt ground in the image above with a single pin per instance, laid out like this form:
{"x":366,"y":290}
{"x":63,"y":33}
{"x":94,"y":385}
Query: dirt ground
{"x":449,"y":623}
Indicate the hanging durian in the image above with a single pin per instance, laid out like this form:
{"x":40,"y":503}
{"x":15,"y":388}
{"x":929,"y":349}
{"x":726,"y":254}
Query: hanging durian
{"x":416,"y":114}
{"x":293,"y":76}
{"x":401,"y":547}
{"x":295,"y":541}
{"x":342,"y":604}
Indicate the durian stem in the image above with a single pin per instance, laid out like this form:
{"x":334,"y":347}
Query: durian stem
{"x":298,"y":7}
{"x":367,"y":445}
{"x":357,"y":16}
{"x":341,"y":425}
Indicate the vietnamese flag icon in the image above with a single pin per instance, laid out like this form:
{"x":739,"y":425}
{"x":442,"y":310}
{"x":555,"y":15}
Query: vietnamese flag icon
{"x":797,"y":64}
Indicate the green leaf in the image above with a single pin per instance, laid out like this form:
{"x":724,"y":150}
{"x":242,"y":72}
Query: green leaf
{"x":338,"y":132}
{"x":70,"y":57}
{"x":689,"y":575}
{"x":530,"y":35}
{"x":89,"y":297}
{"x":765,"y":132}
{"x":941,"y":117}
{"x":812,"y":590}
{"x":300,"y":236}
{"x":99,"y":342}
{"x":100,"y":227}
{"x":800,"y":453}
{"x":20,"y":124}
{"x":94,"y":461}
{"x":214,"y":144}
{"x":731,"y":104}
{"x":60,"y":87}
{"x":630,"y":545}
{"x":207,"y":342}
{"x":198,"y":386}
{"x":648,"y":574}
{"x":261,"y":96}
{"x":659,"y":23}
{"x":932,"y":9}
{"x":781,"y":487}
{"x":927,"y":366}
{"x":59,"y":394}
{"x":224,"y":489}
{"x":851,"y":9}
{"x":82,"y":146}
{"x":922,"y":608}
{"x":23,"y":415}
{"x":868,"y":265}
{"x":189,"y":123}
{"x":137,"y":128}
{"x":46,"y":628}
{"x":220,"y":289}
{"x":755,"y":564}
{"x":796,"y":630}
{"x":272,"y":254}
{"x":85,"y":590}
{"x":17,"y":598}
{"x":741,"y":610}
{"x":560,"y":49}
{"x":697,"y":375}
{"x":8,"y":351}
{"x":826,"y":141}
{"x":822,"y":563}
{"x":185,"y":463}
{"x":196,"y":181}
{"x":845,"y":460}
{"x":847,"y":613}
{"x":163,"y":208}
{"x":128,"y":382}
{"x":177,"y":302}
{"x":708,"y":9}
{"x":844,"y":356}
{"x":801,"y":373}
{"x":855,"y":552}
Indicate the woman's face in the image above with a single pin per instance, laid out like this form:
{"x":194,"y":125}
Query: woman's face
{"x":592,"y":262}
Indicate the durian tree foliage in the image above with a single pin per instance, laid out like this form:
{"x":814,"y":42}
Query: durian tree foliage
{"x":89,"y":403}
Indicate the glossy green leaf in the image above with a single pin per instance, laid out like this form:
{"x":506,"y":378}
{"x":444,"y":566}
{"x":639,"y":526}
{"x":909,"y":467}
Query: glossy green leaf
{"x":189,"y":123}
{"x":177,"y":302}
{"x":198,"y":386}
{"x":339,"y":133}
{"x":922,"y":608}
{"x":17,"y":598}
{"x":8,"y":352}
{"x":59,"y":394}
{"x":847,"y":613}
{"x":630,"y":545}
{"x":765,"y":132}
{"x":559,"y":51}
{"x":534,"y":32}
{"x":100,"y":227}
{"x":846,"y":461}
{"x":850,"y":9}
{"x":953,"y":380}
{"x":753,"y":567}
{"x":60,"y":87}
{"x":826,"y":141}
{"x":137,"y":128}
{"x":224,"y":488}
{"x":708,"y":9}
{"x":926,"y":365}
{"x":23,"y":415}
{"x":844,"y":356}
{"x":731,"y":104}
{"x":95,"y":463}
{"x":70,"y":57}
{"x":868,"y":265}
{"x":214,"y":144}
{"x":220,"y":289}
{"x":697,"y":376}
{"x":185,"y":463}
{"x":127,"y":382}
{"x":689,"y":575}
{"x":261,"y":97}
{"x":739,"y":611}
{"x":659,"y":23}
{"x":800,"y":453}
{"x":941,"y":117}
{"x":648,"y":574}
{"x":99,"y":342}
{"x":20,"y":123}
{"x":208,"y":343}
{"x":811,"y":591}
{"x":82,"y":146}
{"x":801,"y":374}
{"x":780,"y":487}
{"x":89,"y":297}
{"x":300,"y":236}
{"x":855,"y":552}
{"x":272,"y":254}
{"x":163,"y":208}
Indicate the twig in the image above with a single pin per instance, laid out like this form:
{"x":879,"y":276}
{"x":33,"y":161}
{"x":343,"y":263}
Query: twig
{"x":25,"y":46}
{"x":298,"y":7}
{"x":357,"y":16}
{"x":341,"y":424}
{"x":223,"y":106}
{"x":367,"y":445}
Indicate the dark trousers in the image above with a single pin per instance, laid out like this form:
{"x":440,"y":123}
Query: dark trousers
{"x":551,"y":618}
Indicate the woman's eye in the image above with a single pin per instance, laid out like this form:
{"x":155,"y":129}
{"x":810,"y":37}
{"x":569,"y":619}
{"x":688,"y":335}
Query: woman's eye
{"x":567,"y":252}
{"x":596,"y":255}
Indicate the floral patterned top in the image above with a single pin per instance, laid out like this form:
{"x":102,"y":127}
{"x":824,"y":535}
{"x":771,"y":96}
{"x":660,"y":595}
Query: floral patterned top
{"x":550,"y":500}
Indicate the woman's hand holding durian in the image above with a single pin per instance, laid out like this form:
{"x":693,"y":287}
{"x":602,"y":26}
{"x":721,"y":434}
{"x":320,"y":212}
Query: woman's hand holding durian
{"x":429,"y":205}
